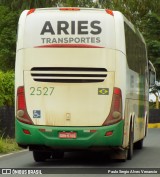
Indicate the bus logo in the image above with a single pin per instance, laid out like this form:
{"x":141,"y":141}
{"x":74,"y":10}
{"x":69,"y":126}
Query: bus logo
{"x":103,"y":91}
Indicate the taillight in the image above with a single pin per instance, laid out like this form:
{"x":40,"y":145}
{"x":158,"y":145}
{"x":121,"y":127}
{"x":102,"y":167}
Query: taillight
{"x":69,"y":8}
{"x":115,"y":114}
{"x":21,"y":98}
{"x":21,"y":113}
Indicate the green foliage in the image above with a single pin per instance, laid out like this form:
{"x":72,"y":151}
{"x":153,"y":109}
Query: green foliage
{"x":151,"y":32}
{"x":78,"y":3}
{"x":6,"y":88}
{"x":8,"y":27}
{"x":28,"y":4}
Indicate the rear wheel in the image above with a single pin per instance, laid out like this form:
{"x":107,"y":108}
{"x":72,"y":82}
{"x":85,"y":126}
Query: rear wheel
{"x":138,"y":144}
{"x":40,"y":156}
{"x":57,"y":154}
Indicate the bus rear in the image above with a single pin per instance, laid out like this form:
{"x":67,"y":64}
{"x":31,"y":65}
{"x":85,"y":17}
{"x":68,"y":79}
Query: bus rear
{"x":66,"y":96}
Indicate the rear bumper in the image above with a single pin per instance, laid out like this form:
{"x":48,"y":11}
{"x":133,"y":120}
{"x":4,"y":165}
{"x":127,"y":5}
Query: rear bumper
{"x":85,"y":139}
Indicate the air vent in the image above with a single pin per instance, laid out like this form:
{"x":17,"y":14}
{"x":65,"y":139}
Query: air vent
{"x":68,"y":74}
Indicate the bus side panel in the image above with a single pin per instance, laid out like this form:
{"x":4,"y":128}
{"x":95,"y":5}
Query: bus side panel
{"x":136,"y":106}
{"x":133,"y":114}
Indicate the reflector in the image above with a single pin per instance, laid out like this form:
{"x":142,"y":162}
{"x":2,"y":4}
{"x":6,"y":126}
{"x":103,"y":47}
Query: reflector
{"x":110,"y":12}
{"x":31,"y":11}
{"x":109,"y":133}
{"x":27,"y":132}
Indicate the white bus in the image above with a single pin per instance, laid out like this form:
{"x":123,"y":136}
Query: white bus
{"x":81,"y":82}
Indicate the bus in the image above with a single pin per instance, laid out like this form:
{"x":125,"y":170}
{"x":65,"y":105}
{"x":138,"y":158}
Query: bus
{"x":81,"y":82}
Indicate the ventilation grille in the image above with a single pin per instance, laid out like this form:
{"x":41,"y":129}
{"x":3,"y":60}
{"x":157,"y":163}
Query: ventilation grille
{"x":68,"y":74}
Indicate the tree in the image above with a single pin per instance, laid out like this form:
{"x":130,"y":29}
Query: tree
{"x":6,"y":88}
{"x":28,"y":4}
{"x":8,"y":30}
{"x":78,"y":3}
{"x":151,"y":27}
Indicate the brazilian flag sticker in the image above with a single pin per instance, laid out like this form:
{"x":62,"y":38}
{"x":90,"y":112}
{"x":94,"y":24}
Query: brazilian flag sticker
{"x":103,"y":91}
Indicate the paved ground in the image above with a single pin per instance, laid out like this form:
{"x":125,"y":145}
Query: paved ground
{"x":84,"y":162}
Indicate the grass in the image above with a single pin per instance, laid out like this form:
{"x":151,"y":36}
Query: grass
{"x":8,"y":145}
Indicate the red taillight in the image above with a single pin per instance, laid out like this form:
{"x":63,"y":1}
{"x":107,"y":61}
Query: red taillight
{"x":21,"y":99}
{"x":69,"y":8}
{"x":110,"y":12}
{"x":117,"y":99}
{"x":22,"y":114}
{"x":31,"y":11}
{"x":115,"y":114}
{"x":117,"y":91}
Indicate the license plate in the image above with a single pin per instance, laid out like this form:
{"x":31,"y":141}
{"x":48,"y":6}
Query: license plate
{"x":68,"y":135}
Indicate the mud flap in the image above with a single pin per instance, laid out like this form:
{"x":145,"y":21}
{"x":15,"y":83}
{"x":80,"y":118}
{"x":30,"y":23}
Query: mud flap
{"x":119,"y":154}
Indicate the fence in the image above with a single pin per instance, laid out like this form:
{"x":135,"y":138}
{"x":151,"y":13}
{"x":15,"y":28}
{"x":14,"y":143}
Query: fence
{"x":7,"y":122}
{"x":154,"y":116}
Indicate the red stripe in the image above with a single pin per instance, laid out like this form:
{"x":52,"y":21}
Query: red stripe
{"x":68,"y":46}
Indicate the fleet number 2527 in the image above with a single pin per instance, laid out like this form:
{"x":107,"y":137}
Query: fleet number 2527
{"x":41,"y":91}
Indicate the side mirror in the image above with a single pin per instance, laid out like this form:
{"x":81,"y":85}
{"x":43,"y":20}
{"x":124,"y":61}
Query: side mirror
{"x":152,"y":74}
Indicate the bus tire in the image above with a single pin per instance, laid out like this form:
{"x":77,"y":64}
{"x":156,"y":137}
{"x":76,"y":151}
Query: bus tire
{"x":139,"y":144}
{"x":130,"y":147}
{"x":41,"y":156}
{"x":57,"y":154}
